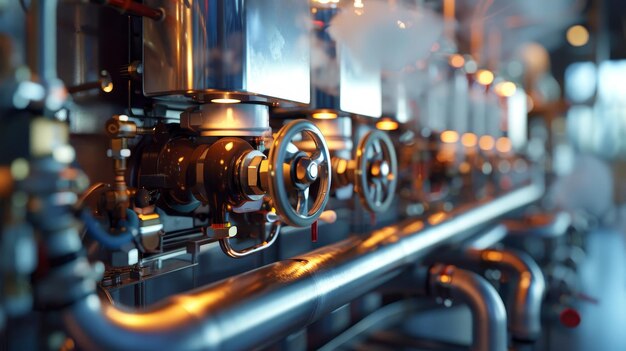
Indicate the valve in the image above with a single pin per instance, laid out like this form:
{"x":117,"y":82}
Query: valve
{"x":377,"y":167}
{"x":293,"y":175}
{"x":373,"y":172}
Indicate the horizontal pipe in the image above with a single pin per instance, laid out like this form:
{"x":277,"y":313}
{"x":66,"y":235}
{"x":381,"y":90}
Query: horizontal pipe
{"x":257,"y":307}
{"x":486,"y":306}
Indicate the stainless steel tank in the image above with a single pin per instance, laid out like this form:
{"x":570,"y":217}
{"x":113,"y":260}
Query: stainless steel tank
{"x":202,"y":49}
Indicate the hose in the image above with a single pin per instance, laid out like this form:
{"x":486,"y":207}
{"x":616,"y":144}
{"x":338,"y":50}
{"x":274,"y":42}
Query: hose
{"x":112,"y":242}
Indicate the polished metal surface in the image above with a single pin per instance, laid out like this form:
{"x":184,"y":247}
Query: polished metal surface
{"x":256,"y":47}
{"x":488,"y":313}
{"x":376,"y":173}
{"x":282,"y":165}
{"x":227,"y":120}
{"x":528,"y":290}
{"x":337,"y":132}
{"x":255,"y":308}
{"x":341,"y":80}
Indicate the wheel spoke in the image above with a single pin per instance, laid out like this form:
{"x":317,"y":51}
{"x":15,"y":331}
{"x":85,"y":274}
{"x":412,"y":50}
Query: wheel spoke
{"x":290,"y":152}
{"x":318,"y":157}
{"x":377,"y":147}
{"x":302,"y":206}
{"x":378,"y":192}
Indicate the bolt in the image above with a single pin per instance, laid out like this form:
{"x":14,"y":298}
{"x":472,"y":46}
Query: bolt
{"x":380,"y":169}
{"x":306,"y":170}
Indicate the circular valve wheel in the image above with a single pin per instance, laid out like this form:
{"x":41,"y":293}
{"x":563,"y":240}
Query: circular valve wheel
{"x":299,"y":181}
{"x":376,"y":169}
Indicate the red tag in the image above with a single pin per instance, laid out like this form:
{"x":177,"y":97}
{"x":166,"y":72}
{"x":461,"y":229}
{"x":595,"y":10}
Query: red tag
{"x":372,"y":219}
{"x":314,"y":232}
{"x":570,"y":318}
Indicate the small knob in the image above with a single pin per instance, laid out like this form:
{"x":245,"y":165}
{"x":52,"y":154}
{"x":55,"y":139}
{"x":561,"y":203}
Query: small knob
{"x":570,"y":318}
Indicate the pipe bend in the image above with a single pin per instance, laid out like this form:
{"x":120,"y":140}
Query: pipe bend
{"x":524,"y":303}
{"x":488,"y":312}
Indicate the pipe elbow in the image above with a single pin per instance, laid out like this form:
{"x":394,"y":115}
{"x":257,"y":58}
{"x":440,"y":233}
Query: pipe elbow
{"x":489,"y":319}
{"x":524,"y":304}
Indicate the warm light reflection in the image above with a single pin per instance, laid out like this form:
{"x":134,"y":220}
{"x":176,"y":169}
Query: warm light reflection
{"x":449,"y":136}
{"x":503,"y":145}
{"x":324,"y":115}
{"x":436,"y":218}
{"x":229,"y":146}
{"x":456,"y":61}
{"x":465,"y":167}
{"x":525,"y":280}
{"x":493,"y":256}
{"x":226,"y":101}
{"x":506,"y":89}
{"x":577,"y":35}
{"x":387,"y":124}
{"x":148,"y":216}
{"x":469,"y":139}
{"x":484,"y":77}
{"x":108,"y":87}
{"x":486,"y":142}
{"x":385,"y":234}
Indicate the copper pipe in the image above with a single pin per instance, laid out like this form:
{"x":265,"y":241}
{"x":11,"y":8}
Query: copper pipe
{"x":255,"y":308}
{"x":133,"y":8}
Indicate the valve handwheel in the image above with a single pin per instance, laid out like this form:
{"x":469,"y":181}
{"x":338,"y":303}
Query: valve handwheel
{"x":376,"y":171}
{"x":295,"y":175}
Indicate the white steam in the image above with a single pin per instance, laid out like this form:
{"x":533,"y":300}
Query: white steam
{"x":387,"y":36}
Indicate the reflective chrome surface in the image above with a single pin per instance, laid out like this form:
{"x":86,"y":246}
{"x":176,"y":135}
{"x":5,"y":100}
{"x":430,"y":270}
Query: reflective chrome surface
{"x":259,"y":47}
{"x":488,"y":313}
{"x":252,"y":309}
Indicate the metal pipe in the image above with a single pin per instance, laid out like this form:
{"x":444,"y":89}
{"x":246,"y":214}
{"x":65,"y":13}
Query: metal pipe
{"x":524,"y":303}
{"x":487,"y":308}
{"x":257,"y":307}
{"x":42,"y":25}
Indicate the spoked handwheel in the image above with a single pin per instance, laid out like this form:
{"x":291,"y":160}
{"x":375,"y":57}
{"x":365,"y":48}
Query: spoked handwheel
{"x":376,"y":171}
{"x":299,"y":181}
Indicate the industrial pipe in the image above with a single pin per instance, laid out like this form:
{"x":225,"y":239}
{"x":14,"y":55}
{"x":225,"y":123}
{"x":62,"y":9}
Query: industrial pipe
{"x":255,"y":308}
{"x":524,"y":302}
{"x":486,"y":306}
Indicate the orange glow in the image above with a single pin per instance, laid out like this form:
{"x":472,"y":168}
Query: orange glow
{"x":469,"y":139}
{"x":484,"y":77}
{"x":505,"y":88}
{"x":226,"y":101}
{"x":577,"y":35}
{"x":493,"y":256}
{"x":486,"y":142}
{"x":147,"y":217}
{"x":449,"y":136}
{"x":503,"y":145}
{"x":436,"y":218}
{"x":456,"y":61}
{"x":464,"y":167}
{"x":324,"y":115}
{"x":108,"y":87}
{"x":387,"y":124}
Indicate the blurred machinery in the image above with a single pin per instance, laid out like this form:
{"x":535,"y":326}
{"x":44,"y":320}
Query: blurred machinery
{"x":277,"y":174}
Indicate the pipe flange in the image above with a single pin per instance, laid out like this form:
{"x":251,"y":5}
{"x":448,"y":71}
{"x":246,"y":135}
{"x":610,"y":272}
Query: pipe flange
{"x":375,"y":176}
{"x":293,"y":173}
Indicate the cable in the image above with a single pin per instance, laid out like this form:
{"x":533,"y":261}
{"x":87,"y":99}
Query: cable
{"x":112,"y":242}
